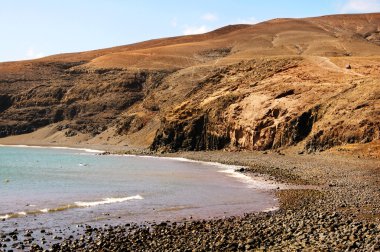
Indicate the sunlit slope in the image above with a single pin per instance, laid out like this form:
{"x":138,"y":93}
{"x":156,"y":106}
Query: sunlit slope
{"x":311,"y":83}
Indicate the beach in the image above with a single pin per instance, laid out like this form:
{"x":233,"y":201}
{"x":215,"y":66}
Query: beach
{"x":337,"y":208}
{"x":343,"y":214}
{"x":190,"y":127}
{"x":59,"y":190}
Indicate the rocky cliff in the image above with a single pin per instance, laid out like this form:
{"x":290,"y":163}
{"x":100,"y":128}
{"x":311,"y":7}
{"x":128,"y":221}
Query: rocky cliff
{"x":312,"y":83}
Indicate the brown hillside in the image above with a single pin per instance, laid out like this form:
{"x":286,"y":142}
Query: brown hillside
{"x":275,"y":84}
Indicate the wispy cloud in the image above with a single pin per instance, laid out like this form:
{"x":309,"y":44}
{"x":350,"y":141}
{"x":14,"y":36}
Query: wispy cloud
{"x":210,"y":17}
{"x":201,"y":28}
{"x":250,"y":20}
{"x":354,"y":6}
{"x":195,"y":30}
{"x":174,"y":22}
{"x":32,"y":54}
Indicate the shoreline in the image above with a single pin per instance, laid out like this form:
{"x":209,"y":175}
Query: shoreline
{"x":51,"y":147}
{"x":237,"y":171}
{"x":343,"y":214}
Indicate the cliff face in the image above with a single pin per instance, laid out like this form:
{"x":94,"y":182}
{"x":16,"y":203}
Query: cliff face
{"x":248,"y":106}
{"x":276,"y":84}
{"x":87,"y":100}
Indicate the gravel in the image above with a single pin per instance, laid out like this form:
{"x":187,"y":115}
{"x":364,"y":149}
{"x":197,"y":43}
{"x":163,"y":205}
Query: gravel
{"x":341,"y":213}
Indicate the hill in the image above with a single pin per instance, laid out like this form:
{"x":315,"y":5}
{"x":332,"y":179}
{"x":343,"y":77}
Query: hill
{"x":309,"y":84}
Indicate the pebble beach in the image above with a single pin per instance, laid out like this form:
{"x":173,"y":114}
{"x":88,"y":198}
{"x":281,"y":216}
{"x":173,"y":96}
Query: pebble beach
{"x":337,"y":210}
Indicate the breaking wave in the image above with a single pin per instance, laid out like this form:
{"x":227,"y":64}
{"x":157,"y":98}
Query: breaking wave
{"x":78,"y":204}
{"x":107,"y":201}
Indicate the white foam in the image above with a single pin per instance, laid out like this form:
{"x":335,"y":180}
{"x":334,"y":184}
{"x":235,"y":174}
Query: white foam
{"x":45,"y":210}
{"x":181,"y":159}
{"x":252,"y":182}
{"x":5,"y":216}
{"x":271,"y":209}
{"x":81,"y":149}
{"x":51,"y":147}
{"x":21,"y":213}
{"x":162,"y":158}
{"x":106,"y":201}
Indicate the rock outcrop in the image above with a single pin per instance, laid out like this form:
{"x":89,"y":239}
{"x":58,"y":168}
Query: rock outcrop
{"x":272,"y":85}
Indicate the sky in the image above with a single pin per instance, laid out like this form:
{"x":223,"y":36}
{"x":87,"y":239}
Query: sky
{"x":36,"y":28}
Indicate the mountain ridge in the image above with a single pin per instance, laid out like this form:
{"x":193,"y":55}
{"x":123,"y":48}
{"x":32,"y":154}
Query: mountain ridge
{"x":275,"y":84}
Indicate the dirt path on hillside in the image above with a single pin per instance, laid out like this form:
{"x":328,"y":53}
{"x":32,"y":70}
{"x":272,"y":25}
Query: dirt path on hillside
{"x":326,"y":63}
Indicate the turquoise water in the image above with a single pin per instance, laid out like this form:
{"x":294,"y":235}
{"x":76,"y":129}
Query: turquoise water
{"x":45,"y":187}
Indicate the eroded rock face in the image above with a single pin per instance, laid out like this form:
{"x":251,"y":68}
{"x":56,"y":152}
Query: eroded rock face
{"x":266,"y":86}
{"x":194,"y":134}
{"x":88,"y":101}
{"x":244,"y":106}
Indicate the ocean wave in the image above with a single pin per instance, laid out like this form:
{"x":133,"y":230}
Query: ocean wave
{"x":13,"y":215}
{"x":182,"y":159}
{"x":251,"y":182}
{"x":271,"y":209}
{"x":107,"y":201}
{"x":51,"y":147}
{"x":7,"y":216}
{"x":256,"y":182}
{"x":78,"y":204}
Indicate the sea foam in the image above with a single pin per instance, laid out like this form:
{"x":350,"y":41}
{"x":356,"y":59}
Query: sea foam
{"x":254,"y":182}
{"x":106,"y":201}
{"x":78,"y":204}
{"x":51,"y":147}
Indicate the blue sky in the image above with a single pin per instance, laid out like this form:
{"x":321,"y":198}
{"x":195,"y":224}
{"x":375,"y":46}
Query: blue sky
{"x":35,"y":28}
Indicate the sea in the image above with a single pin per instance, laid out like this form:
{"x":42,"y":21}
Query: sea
{"x":42,"y":188}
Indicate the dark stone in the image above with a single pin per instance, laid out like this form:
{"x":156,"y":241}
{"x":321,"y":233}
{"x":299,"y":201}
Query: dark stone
{"x":284,"y":94}
{"x":5,"y":102}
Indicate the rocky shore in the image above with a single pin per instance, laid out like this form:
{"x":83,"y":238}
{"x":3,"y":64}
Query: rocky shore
{"x":342,"y":213}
